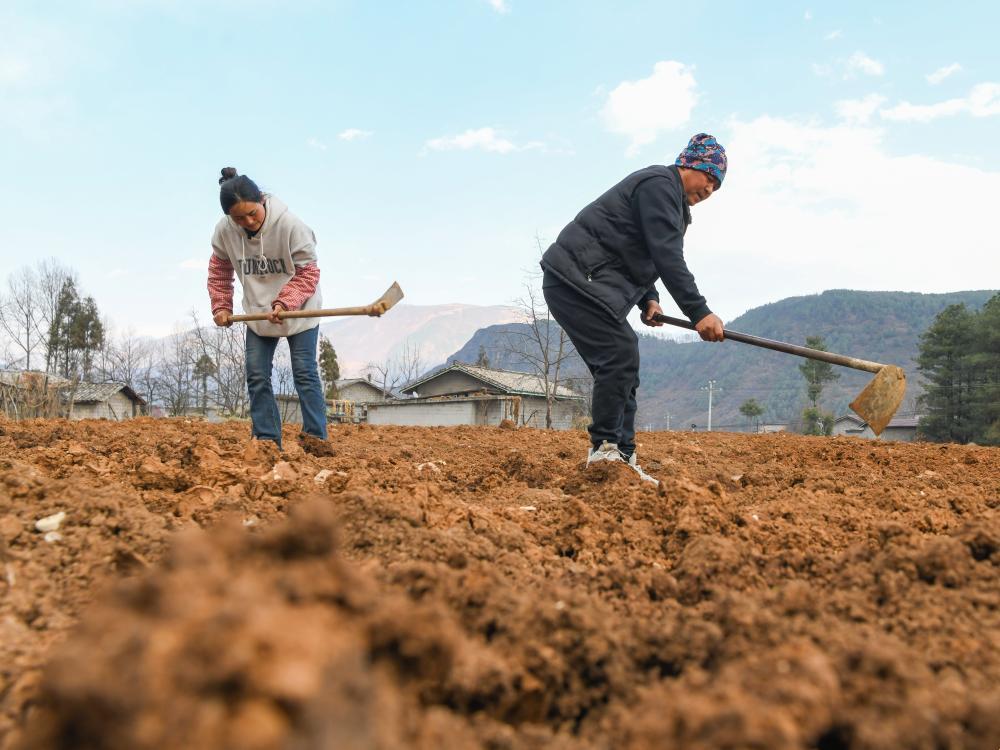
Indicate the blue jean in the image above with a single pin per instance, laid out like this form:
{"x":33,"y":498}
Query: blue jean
{"x":265,"y":418}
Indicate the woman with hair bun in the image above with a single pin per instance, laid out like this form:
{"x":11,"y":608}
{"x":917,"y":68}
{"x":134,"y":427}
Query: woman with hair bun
{"x":273,"y":253}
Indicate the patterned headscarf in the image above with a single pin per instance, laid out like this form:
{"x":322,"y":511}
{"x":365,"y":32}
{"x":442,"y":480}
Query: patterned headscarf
{"x":705,"y":153}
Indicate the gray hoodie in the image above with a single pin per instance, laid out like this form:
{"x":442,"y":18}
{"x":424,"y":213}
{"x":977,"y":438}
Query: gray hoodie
{"x":266,"y":262}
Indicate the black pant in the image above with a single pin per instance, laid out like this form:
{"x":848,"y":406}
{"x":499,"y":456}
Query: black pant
{"x":610,"y":350}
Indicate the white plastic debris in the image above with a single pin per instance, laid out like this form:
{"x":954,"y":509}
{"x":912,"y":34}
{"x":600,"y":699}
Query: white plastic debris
{"x":754,"y":516}
{"x":52,"y":536}
{"x":50,"y":523}
{"x":323,"y":476}
{"x":528,"y":507}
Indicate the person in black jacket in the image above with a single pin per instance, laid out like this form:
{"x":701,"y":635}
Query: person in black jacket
{"x":608,"y":259}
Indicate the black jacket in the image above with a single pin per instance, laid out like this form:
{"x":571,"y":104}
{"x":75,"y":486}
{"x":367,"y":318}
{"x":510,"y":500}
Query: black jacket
{"x":615,"y":248}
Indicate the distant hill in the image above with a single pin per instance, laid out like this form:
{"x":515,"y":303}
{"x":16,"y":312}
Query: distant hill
{"x":880,"y":326}
{"x":437,"y":330}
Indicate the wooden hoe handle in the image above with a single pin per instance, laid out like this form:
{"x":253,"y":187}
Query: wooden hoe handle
{"x":392,"y":295}
{"x":781,"y":346}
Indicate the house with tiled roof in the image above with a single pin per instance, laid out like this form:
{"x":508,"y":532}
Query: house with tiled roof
{"x":469,"y":394}
{"x":31,"y":393}
{"x":115,"y":401}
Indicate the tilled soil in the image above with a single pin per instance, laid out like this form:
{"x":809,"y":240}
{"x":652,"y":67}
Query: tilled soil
{"x":476,"y":588}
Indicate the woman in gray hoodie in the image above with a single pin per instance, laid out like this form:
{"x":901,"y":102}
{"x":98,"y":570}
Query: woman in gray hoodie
{"x":273,"y":253}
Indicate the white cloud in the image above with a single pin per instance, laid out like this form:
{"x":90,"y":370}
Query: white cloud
{"x":807,"y":207}
{"x":14,"y":69}
{"x":808,"y":15}
{"x":194,"y":264}
{"x":644,"y":109}
{"x":500,"y":6}
{"x":983,"y":101}
{"x":906,"y":112}
{"x":941,"y":73}
{"x":859,"y":111}
{"x":835,"y":34}
{"x":353,"y":134}
{"x":316,"y":143}
{"x":861,"y":63}
{"x":483,"y":139}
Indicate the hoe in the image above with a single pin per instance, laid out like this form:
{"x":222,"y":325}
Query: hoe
{"x":875,"y":404}
{"x":392,"y":295}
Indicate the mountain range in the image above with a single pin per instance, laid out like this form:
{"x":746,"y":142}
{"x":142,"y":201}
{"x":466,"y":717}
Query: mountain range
{"x":434,"y":331}
{"x":880,"y":326}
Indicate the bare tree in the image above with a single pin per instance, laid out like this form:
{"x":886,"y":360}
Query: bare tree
{"x":147,"y":382}
{"x":20,"y":314}
{"x":7,"y":357}
{"x":539,"y":343}
{"x":409,"y":363}
{"x":406,"y":366}
{"x":282,"y":378}
{"x":104,"y":356}
{"x":226,"y":348}
{"x":52,"y":275}
{"x":126,"y":358}
{"x":384,"y":375}
{"x":175,"y":379}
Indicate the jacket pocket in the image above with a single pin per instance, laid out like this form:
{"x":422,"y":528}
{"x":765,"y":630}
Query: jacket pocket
{"x":591,"y":257}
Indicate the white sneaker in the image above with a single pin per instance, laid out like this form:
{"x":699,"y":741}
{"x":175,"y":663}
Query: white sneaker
{"x":642,"y":475}
{"x":605,"y":452}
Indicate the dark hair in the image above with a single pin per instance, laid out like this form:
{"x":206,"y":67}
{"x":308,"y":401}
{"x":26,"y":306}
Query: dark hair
{"x":237,"y":188}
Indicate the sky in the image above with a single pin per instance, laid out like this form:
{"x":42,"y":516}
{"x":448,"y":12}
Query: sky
{"x":440,"y":144}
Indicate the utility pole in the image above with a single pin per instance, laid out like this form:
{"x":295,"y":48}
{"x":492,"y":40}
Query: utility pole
{"x":668,"y":422}
{"x":711,"y":389}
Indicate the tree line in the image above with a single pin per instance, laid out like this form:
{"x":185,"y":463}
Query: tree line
{"x":960,"y":362}
{"x":48,"y":325}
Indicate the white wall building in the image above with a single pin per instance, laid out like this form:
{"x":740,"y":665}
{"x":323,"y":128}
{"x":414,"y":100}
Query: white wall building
{"x":106,"y":401}
{"x":467,"y":394}
{"x":903,"y":429}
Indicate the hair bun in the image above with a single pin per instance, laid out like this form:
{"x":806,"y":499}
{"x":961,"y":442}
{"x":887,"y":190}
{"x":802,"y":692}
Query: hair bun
{"x":228,"y":173}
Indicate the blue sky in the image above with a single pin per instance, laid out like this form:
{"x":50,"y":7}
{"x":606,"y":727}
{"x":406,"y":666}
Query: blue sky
{"x":431,"y":142}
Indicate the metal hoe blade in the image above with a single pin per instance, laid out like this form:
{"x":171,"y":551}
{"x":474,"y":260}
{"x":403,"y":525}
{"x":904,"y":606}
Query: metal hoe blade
{"x":877,"y":403}
{"x":392,"y":295}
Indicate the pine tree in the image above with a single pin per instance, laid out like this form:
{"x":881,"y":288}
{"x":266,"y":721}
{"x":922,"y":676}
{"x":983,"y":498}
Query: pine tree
{"x":815,"y":421}
{"x":87,"y":334}
{"x":60,"y":341}
{"x":329,"y":367}
{"x":483,"y":360}
{"x":204,"y":368}
{"x":751,"y":410}
{"x":985,"y":360}
{"x":946,"y":364}
{"x":816,"y":373}
{"x":76,"y":333}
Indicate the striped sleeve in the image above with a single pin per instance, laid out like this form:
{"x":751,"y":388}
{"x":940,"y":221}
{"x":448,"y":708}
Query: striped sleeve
{"x":299,"y":288}
{"x":220,"y":283}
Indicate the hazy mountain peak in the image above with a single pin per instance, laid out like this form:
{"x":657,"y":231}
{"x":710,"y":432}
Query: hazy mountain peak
{"x":437,"y":330}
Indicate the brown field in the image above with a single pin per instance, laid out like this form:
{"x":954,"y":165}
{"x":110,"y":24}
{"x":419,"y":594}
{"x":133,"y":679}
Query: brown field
{"x":475,"y":588}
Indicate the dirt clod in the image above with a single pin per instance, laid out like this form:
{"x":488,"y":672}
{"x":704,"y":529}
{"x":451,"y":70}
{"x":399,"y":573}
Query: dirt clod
{"x":478,"y":588}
